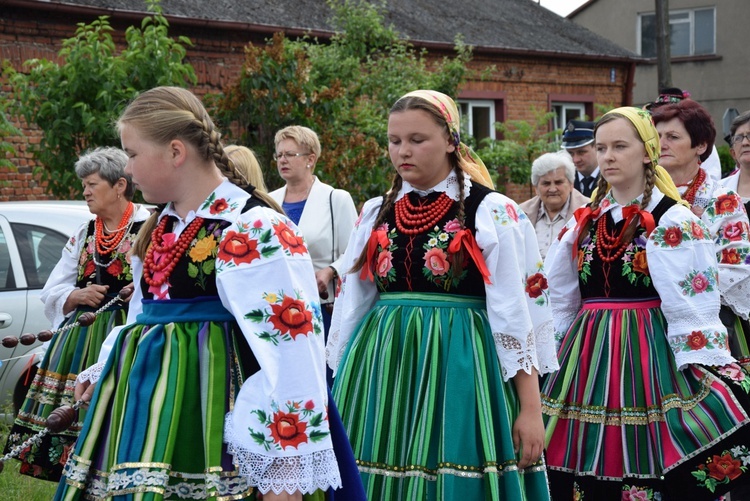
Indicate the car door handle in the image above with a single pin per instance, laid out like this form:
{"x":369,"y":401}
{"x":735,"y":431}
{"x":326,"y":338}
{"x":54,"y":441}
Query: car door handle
{"x":5,"y":320}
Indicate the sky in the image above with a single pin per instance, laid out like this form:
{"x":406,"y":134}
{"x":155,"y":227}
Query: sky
{"x":561,"y":7}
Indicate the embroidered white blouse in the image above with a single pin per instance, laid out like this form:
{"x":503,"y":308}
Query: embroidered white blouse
{"x":521,"y":322}
{"x":722,"y":210}
{"x":274,"y":278}
{"x":679,"y":249}
{"x":62,"y":279}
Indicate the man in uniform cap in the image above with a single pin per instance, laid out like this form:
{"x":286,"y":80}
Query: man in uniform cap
{"x":578,"y":139}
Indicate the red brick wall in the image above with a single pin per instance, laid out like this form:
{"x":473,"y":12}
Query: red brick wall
{"x":217,"y":57}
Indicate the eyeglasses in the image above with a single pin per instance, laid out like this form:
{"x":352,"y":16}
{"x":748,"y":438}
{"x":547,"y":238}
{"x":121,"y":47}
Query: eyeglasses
{"x":739,"y":138}
{"x":288,"y":155}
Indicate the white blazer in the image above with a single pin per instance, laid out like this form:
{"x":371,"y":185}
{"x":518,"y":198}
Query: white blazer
{"x":315,"y":225}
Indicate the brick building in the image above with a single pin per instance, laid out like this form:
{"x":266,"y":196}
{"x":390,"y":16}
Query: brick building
{"x":540,"y":60}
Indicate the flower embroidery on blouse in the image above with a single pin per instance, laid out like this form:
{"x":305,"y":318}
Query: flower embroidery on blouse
{"x":536,"y":286}
{"x":724,"y":205}
{"x":504,"y":215}
{"x":735,"y":256}
{"x":722,"y":469}
{"x":698,"y":340}
{"x":290,"y":241}
{"x":673,"y":236}
{"x":585,"y":255}
{"x":699,"y":281}
{"x":288,"y":317}
{"x":296,"y":424}
{"x":734,"y":232}
{"x":250,"y":241}
{"x":218,"y":206}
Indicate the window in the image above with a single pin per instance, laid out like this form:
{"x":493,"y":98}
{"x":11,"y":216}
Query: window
{"x":565,"y":112}
{"x":40,"y":250}
{"x":478,"y":118}
{"x":691,"y":32}
{"x":7,"y":280}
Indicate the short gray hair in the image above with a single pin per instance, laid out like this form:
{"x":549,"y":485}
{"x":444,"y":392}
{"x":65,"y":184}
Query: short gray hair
{"x":550,"y":162}
{"x":109,"y":162}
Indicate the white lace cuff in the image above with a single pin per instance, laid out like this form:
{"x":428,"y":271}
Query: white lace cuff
{"x":546,"y":348}
{"x":92,"y":374}
{"x":305,"y":473}
{"x":513,"y":356}
{"x":334,"y":351}
{"x":737,"y":297}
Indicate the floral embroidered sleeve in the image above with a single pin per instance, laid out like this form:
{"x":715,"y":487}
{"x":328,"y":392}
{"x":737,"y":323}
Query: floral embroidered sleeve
{"x":518,"y":297}
{"x":357,"y":296}
{"x":727,"y":221}
{"x":562,"y":267}
{"x":681,"y":257}
{"x":62,"y":279}
{"x":278,"y":429}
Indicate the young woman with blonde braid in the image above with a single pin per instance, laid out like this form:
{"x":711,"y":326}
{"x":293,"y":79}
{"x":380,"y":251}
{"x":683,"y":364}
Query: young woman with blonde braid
{"x":442,"y":326}
{"x":648,"y":402}
{"x":224,"y":287}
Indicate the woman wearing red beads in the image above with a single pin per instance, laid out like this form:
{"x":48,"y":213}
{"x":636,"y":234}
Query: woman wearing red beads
{"x":93,"y":269}
{"x":216,"y":387}
{"x":686,"y":131}
{"x":442,"y":326}
{"x":648,"y":403}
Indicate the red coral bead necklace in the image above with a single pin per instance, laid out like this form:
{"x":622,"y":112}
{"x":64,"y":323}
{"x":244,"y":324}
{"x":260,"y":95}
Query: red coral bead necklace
{"x":415,"y":219}
{"x":106,"y":242}
{"x":608,"y":247}
{"x":173,"y":252}
{"x":696,"y":183}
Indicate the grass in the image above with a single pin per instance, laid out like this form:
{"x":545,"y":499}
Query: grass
{"x":15,"y":486}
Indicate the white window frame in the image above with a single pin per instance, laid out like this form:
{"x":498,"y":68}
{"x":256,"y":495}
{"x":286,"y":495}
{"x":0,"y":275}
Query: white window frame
{"x":467,"y":120}
{"x":562,"y":108}
{"x":690,"y":20}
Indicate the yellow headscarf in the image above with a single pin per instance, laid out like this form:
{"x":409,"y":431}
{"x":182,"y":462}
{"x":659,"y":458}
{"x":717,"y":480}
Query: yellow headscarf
{"x":644,"y":124}
{"x":467,"y":159}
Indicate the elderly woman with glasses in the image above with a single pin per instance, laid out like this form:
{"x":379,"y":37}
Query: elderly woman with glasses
{"x":739,"y":139}
{"x":325,"y":215}
{"x":687,"y":134}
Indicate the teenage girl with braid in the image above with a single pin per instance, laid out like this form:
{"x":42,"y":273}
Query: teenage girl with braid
{"x":442,"y":326}
{"x":224,"y":286}
{"x":648,"y":402}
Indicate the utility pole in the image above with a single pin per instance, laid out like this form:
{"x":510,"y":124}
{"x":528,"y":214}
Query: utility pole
{"x":663,"y":52}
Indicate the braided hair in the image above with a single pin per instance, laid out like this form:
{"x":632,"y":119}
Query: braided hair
{"x":389,"y":199}
{"x":163,"y":114}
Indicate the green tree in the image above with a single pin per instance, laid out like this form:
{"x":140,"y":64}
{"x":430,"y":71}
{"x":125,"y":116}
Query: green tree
{"x":510,"y":158}
{"x":75,"y":103}
{"x":341,"y":89}
{"x":6,"y":129}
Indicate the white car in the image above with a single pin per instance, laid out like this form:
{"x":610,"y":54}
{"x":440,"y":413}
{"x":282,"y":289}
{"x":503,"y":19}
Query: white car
{"x":32,"y":235}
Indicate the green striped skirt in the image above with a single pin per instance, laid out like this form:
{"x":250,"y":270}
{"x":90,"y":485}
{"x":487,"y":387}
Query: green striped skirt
{"x":68,"y":353}
{"x":422,"y":399}
{"x":155,"y":425}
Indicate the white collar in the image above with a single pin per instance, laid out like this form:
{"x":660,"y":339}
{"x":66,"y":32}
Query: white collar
{"x":449,"y":186}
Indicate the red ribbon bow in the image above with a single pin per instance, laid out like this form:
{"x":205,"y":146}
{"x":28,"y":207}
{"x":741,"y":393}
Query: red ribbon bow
{"x":466,"y":239}
{"x":583,"y":215}
{"x":377,"y":237}
{"x":647,"y":219}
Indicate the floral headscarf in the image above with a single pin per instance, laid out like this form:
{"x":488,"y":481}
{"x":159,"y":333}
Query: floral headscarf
{"x":467,"y":159}
{"x":644,"y":125}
